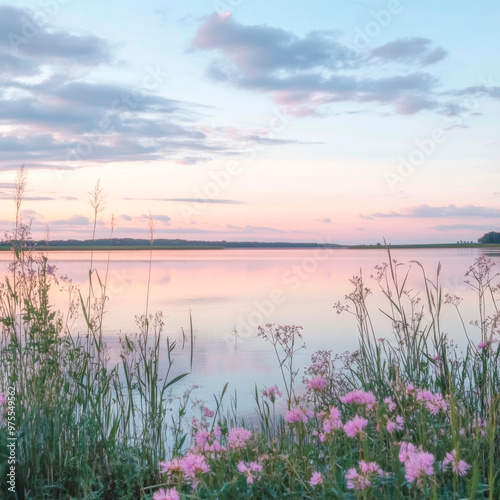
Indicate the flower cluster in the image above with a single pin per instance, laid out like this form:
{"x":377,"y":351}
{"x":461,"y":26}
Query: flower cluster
{"x":368,"y":473}
{"x":250,"y":470}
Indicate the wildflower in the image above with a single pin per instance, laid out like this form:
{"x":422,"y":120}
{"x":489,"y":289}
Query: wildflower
{"x":207,"y":412}
{"x":193,"y":464}
{"x":170,"y":467}
{"x":169,"y":494}
{"x":249,"y":469}
{"x":360,"y":397}
{"x":206,"y":441}
{"x":356,"y":481}
{"x":482,"y":345}
{"x":333,"y":421}
{"x":436,"y":403}
{"x":316,"y":478}
{"x":458,"y":466}
{"x":419,"y":465}
{"x":238,"y":437}
{"x":369,"y":471}
{"x":316,"y":384}
{"x":271,"y":393}
{"x":298,"y":415}
{"x":391,"y":405}
{"x":354,"y":428}
{"x":405,"y":451}
{"x":423,"y":395}
{"x":3,"y":398}
{"x":370,"y":468}
{"x":395,"y":425}
{"x":410,"y":389}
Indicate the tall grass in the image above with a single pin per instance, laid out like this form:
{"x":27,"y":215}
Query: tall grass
{"x":85,"y":428}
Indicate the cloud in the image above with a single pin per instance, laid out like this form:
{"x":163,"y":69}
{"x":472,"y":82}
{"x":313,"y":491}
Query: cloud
{"x":74,"y":220}
{"x":325,"y":220}
{"x":453,"y":227}
{"x":26,"y":45}
{"x":61,"y":116}
{"x":305,"y":73}
{"x":427,"y":211}
{"x":258,"y":50}
{"x":192,"y":200}
{"x":252,"y":229}
{"x":410,"y":51}
{"x":192,"y":160}
{"x":163,"y":219}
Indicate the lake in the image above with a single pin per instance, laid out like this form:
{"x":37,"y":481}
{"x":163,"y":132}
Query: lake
{"x":228,"y":293}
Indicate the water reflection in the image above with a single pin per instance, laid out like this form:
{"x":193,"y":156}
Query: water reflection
{"x":229,"y":292}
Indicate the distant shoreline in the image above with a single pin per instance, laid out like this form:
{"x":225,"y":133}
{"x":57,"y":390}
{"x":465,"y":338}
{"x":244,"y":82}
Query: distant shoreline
{"x":101,"y":245}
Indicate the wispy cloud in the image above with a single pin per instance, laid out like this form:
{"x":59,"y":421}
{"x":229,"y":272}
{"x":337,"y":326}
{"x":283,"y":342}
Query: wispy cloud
{"x":426,"y":211}
{"x":453,"y":227}
{"x":193,"y":200}
{"x":252,"y":229}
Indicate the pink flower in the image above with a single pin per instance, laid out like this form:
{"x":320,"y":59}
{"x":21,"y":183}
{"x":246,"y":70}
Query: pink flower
{"x":170,"y":494}
{"x":360,"y":397}
{"x":238,"y":437}
{"x":419,"y":465}
{"x":436,"y":403}
{"x":370,"y":468}
{"x":333,"y":421}
{"x":356,"y":481}
{"x":271,"y":393}
{"x":354,"y":428}
{"x":482,"y":345}
{"x":249,"y":469}
{"x":361,"y":480}
{"x":406,"y":451}
{"x":206,"y":442}
{"x":193,"y":464}
{"x":391,"y":405}
{"x":316,"y":478}
{"x":459,"y":467}
{"x":207,"y":412}
{"x":3,"y":398}
{"x":424,"y":395}
{"x":170,"y":467}
{"x":316,"y":384}
{"x":395,"y":426}
{"x":298,"y":415}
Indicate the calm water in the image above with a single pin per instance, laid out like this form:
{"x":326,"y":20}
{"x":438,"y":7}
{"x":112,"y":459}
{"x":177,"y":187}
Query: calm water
{"x":236,"y":290}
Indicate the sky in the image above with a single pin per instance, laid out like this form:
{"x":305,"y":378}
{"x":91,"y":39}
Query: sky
{"x":243,"y":120}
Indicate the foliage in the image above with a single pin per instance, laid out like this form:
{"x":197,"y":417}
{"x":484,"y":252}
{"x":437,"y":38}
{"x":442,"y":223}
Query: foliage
{"x":491,"y":237}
